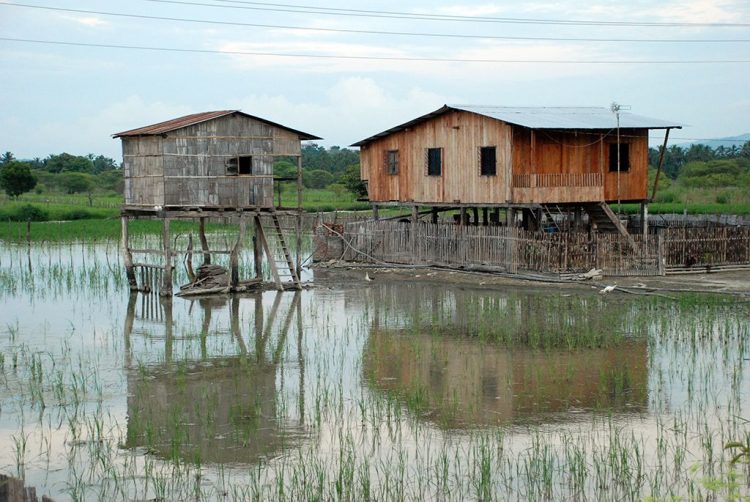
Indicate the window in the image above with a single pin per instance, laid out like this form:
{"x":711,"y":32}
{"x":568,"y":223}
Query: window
{"x":246,"y":164}
{"x":239,"y":165}
{"x":434,"y":162}
{"x":391,"y":162}
{"x":487,"y":161}
{"x":624,"y":157}
{"x":231,"y":165}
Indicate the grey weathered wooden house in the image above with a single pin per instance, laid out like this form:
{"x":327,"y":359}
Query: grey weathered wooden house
{"x":211,"y":160}
{"x":204,"y":165}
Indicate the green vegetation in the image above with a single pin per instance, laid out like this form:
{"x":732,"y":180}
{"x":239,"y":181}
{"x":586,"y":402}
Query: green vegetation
{"x":697,"y":179}
{"x":702,"y":179}
{"x":16,"y":178}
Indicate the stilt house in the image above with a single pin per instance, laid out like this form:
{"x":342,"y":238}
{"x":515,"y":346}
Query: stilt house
{"x":211,"y":160}
{"x":205,"y":165}
{"x":515,"y":158}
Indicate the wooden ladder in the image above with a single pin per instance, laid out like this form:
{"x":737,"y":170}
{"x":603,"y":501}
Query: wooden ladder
{"x":548,"y":212}
{"x":280,"y":269}
{"x":618,"y":224}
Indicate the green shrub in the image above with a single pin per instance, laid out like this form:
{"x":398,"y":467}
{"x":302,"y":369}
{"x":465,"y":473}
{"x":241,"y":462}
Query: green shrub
{"x":722,"y":198}
{"x":76,"y":214}
{"x":28,"y":213}
{"x":666,"y":196}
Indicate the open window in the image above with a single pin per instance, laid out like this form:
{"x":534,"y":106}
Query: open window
{"x":242,"y":165}
{"x":624,"y":157}
{"x":487,"y":161}
{"x":231,"y":166}
{"x":391,"y":162}
{"x":434,"y":162}
{"x":245,"y":164}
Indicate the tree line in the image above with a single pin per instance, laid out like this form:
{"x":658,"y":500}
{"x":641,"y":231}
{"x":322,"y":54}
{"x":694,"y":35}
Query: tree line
{"x":676,"y":157}
{"x":60,"y":173}
{"x":65,"y":173}
{"x":697,"y":165}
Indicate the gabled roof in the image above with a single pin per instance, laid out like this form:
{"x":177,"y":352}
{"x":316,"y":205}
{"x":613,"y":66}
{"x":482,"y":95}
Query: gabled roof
{"x":542,"y":118}
{"x":197,"y":118}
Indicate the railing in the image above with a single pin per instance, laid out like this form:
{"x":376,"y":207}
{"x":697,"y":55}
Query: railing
{"x":558,"y":180}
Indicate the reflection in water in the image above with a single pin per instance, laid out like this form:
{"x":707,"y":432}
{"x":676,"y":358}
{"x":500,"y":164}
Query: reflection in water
{"x":457,"y":382}
{"x":470,"y":358}
{"x":221,"y":409}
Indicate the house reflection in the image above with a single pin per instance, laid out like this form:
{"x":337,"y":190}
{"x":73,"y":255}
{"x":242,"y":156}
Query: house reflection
{"x":218,"y":408}
{"x":437,"y":355}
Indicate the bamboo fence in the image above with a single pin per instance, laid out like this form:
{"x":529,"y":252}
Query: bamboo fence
{"x":505,"y":248}
{"x":686,"y":248}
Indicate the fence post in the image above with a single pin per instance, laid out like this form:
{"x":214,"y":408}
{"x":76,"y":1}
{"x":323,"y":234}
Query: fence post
{"x":660,"y":254}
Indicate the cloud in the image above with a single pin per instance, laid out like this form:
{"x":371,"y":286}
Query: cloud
{"x":686,"y":11}
{"x":90,"y":21}
{"x":700,"y":11}
{"x":351,"y":109}
{"x":87,"y":133}
{"x":468,"y":10}
{"x":285,"y":56}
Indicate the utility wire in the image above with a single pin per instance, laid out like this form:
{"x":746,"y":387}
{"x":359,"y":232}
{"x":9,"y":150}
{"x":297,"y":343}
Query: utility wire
{"x":309,"y":9}
{"x":376,"y":58}
{"x":375,"y":32}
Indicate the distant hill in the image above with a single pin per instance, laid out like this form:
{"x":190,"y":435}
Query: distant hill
{"x":725,"y":142}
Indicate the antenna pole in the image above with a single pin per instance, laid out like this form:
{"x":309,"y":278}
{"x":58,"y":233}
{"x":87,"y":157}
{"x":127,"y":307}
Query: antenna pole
{"x":616,"y":109}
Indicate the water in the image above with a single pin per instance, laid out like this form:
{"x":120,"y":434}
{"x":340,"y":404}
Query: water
{"x":356,"y":390}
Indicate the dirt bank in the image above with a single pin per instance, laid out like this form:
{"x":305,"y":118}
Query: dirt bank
{"x":734,"y":282}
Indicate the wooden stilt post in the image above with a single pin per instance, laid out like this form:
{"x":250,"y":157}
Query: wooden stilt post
{"x":257,"y":248}
{"x":128,"y":327}
{"x":267,"y":250}
{"x":413,"y":233}
{"x":234,"y":324}
{"x":298,"y":220}
{"x":204,"y":241}
{"x":297,"y":303}
{"x":127,"y":257}
{"x":577,"y":218}
{"x":510,"y":217}
{"x":661,"y":161}
{"x":166,"y":303}
{"x":189,"y":259}
{"x":234,"y":275}
{"x":166,"y":286}
{"x":463,"y":216}
{"x":206,"y":305}
{"x":485,"y":217}
{"x":644,"y":219}
{"x":475,"y":214}
{"x":434,"y":215}
{"x":375,"y":212}
{"x":258,"y":303}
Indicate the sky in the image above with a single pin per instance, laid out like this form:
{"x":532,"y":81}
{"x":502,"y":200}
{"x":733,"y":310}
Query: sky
{"x":376,"y":65}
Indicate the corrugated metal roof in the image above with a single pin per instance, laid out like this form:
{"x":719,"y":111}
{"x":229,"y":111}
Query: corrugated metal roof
{"x":566,"y":117}
{"x":197,"y":118}
{"x":542,"y":118}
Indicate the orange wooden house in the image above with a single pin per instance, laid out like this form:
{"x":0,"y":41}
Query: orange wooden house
{"x":515,"y":158}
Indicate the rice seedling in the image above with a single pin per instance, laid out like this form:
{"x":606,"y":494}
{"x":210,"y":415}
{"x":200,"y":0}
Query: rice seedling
{"x":390,"y":391}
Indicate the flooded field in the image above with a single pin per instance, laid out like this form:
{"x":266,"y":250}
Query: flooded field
{"x":362,"y":390}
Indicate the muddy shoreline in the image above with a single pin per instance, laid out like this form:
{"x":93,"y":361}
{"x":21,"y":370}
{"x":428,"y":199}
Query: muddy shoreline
{"x":728,"y":282}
